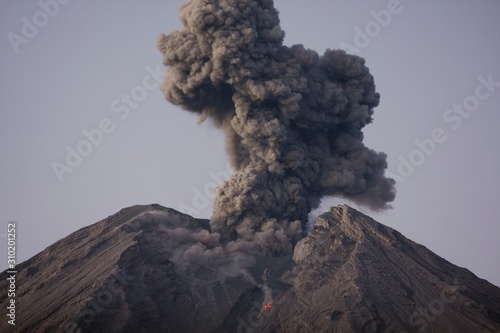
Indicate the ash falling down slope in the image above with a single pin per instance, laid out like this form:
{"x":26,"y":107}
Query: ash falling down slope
{"x":292,"y":120}
{"x":127,"y":273}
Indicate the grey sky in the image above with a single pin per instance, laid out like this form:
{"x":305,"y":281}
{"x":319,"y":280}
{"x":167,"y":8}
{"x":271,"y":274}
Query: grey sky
{"x":78,"y":67}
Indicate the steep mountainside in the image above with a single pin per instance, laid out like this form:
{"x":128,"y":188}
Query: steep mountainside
{"x":349,"y":274}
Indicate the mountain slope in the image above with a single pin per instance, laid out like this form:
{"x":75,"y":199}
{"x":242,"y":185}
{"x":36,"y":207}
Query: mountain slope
{"x":356,"y":275}
{"x":349,"y":274}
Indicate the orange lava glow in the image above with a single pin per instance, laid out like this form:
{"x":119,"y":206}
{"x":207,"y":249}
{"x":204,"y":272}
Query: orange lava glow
{"x":267,"y":306}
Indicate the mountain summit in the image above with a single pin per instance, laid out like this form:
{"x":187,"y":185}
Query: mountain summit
{"x":349,"y":274}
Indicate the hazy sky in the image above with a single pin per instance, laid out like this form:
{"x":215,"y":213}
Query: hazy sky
{"x":81,"y":78}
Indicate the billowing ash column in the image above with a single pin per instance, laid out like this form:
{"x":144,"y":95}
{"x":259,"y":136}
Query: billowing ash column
{"x":292,"y":119}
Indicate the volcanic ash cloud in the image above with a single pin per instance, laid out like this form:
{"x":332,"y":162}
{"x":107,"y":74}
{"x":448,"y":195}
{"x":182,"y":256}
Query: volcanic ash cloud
{"x":292,"y":119}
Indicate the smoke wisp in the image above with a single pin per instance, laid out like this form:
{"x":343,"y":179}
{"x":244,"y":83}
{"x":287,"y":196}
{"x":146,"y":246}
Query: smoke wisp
{"x":292,"y":119}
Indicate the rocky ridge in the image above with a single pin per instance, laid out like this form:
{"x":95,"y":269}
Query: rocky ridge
{"x":349,"y":274}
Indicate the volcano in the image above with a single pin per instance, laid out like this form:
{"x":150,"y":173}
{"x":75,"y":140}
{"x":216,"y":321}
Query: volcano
{"x":348,"y":274}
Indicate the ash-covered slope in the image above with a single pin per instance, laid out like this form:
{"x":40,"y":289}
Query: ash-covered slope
{"x":349,"y":274}
{"x":117,"y":276}
{"x":353,"y":274}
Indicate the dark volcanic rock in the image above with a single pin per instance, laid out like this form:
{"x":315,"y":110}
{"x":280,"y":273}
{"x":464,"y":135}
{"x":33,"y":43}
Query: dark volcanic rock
{"x":349,"y":274}
{"x":353,"y":274}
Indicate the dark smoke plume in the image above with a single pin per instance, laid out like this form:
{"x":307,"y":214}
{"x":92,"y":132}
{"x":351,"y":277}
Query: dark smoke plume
{"x":292,"y":119}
